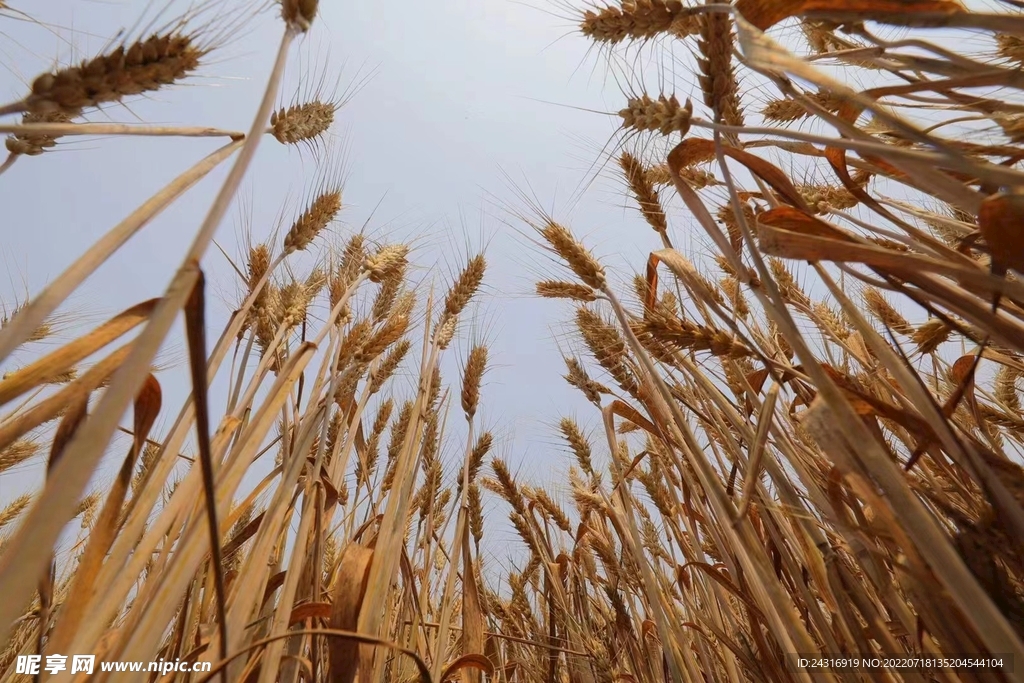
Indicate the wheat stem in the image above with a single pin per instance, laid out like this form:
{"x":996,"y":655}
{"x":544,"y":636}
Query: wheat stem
{"x":63,"y":129}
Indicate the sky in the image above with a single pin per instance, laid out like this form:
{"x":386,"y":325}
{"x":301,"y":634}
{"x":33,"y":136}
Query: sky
{"x":457,"y":110}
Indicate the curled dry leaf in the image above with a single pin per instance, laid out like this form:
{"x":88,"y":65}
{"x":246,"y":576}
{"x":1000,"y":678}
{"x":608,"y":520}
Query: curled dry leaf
{"x":795,"y":220}
{"x":1001,"y":222}
{"x":764,"y":14}
{"x":310,"y":610}
{"x":692,"y":150}
{"x":470,"y":661}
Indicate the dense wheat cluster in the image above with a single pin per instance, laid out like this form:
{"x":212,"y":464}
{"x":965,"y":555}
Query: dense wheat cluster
{"x":811,"y":439}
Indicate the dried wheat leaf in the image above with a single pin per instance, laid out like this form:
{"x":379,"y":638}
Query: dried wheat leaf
{"x":468,"y":661}
{"x":51,"y":407}
{"x":1001,"y":222}
{"x":310,"y":610}
{"x":30,"y":376}
{"x":353,"y":574}
{"x":770,"y":174}
{"x":83,"y":587}
{"x":764,"y":14}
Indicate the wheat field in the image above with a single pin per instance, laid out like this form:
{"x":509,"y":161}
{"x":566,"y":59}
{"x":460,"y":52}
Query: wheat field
{"x":810,"y":431}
